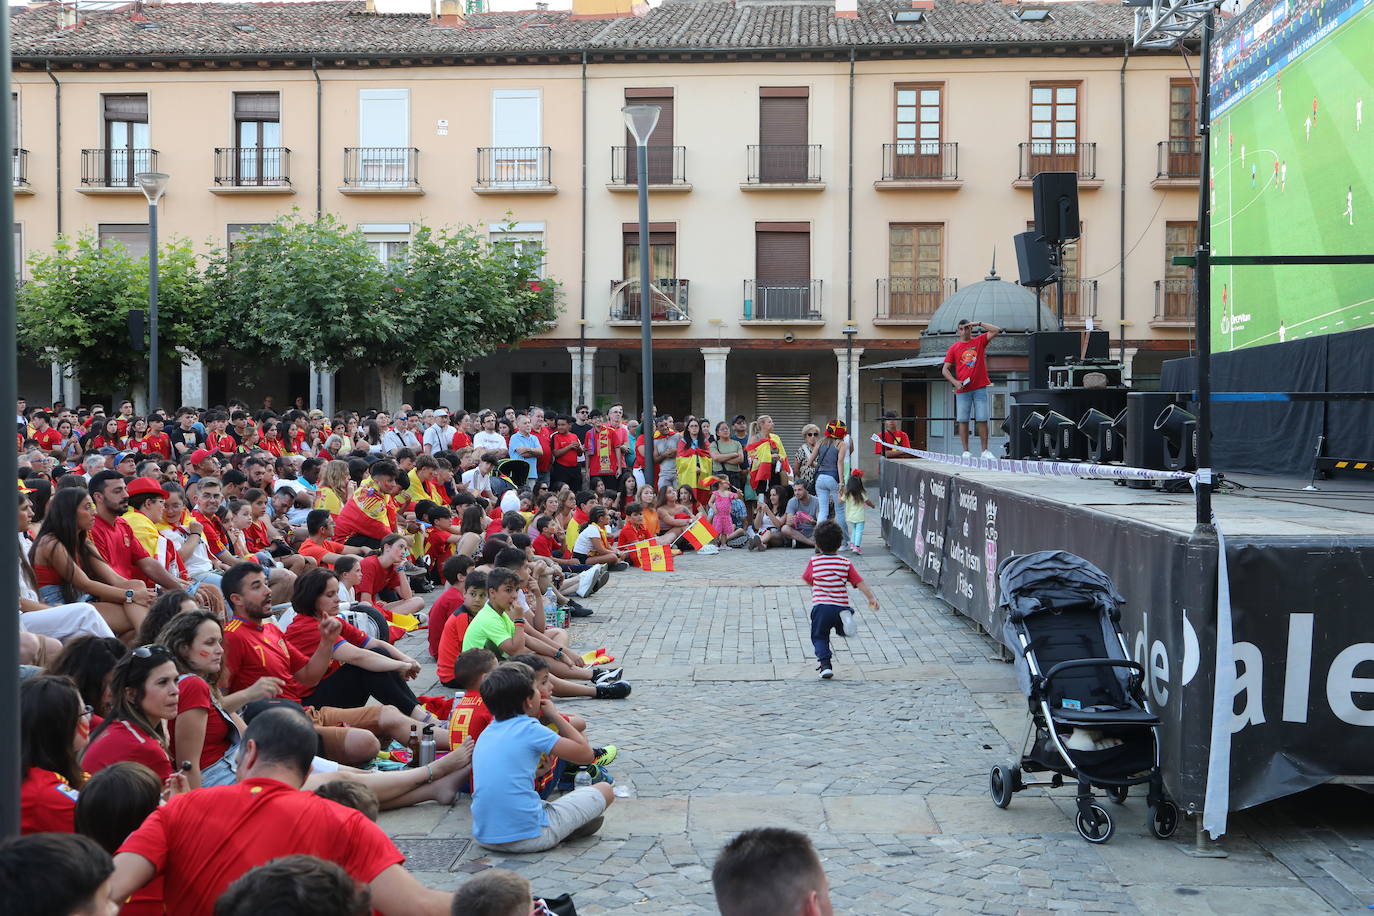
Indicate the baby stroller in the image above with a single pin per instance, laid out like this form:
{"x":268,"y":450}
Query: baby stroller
{"x":1089,"y":720}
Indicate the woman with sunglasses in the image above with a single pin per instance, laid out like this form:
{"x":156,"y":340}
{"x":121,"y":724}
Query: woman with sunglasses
{"x":53,"y":724}
{"x":143,"y":696}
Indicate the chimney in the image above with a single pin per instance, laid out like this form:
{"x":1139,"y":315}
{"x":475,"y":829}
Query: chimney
{"x":923,"y":4}
{"x":448,"y":12}
{"x":846,"y":9}
{"x":607,"y":9}
{"x":68,"y":16}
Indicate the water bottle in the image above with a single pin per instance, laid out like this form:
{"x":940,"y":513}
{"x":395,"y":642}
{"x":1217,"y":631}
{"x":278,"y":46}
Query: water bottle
{"x":425,"y":755}
{"x":583,"y":778}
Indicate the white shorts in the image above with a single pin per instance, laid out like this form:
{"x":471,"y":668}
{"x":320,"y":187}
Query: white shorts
{"x":565,"y":815}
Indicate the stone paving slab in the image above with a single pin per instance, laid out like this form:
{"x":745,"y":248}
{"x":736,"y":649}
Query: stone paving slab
{"x":885,"y":767}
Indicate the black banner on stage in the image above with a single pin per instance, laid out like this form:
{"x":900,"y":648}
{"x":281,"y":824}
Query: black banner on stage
{"x":1304,"y":705}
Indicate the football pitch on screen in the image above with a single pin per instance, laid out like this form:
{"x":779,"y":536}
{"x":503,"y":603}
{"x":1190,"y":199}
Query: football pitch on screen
{"x":1291,"y":177}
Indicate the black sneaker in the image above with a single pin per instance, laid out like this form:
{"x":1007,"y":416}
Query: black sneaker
{"x":617,"y":691}
{"x":578,"y":610}
{"x":619,"y":566}
{"x":606,"y":675}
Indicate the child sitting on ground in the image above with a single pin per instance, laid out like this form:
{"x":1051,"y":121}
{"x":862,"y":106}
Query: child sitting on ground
{"x":552,"y":773}
{"x":470,"y":715}
{"x":507,"y":814}
{"x":473,"y":591}
{"x":453,"y":570}
{"x":829,"y":576}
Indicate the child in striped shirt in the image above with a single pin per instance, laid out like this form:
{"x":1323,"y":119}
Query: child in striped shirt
{"x":830,"y":576}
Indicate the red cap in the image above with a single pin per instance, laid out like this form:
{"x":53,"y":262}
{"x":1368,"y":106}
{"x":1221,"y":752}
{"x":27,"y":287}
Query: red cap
{"x":140,"y":485}
{"x":198,"y":456}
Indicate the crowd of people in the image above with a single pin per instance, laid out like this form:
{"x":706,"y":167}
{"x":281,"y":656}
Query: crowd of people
{"x":210,"y":603}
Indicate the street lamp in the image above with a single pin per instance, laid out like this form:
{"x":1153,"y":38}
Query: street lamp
{"x":641,"y":121}
{"x":153,"y":184}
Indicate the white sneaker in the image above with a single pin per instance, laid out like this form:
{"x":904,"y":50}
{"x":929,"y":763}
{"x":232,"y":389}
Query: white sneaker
{"x":849,"y":627}
{"x":988,"y":455}
{"x":966,"y":454}
{"x":709,"y":550}
{"x":826,"y":673}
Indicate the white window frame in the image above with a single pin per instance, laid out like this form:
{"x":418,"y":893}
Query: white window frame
{"x":382,"y":236}
{"x":521,"y":233}
{"x":538,"y":94}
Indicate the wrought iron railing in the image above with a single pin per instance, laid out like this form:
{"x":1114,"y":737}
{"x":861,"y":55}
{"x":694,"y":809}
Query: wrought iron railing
{"x":782,"y":300}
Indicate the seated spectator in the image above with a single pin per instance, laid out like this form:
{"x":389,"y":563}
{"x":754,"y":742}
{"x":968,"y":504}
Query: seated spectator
{"x":437,"y":537}
{"x":335,"y":487}
{"x":474,"y":597}
{"x":59,"y":623}
{"x":113,"y":804}
{"x":166,"y":607}
{"x":383,"y":585}
{"x":300,"y":885}
{"x":769,"y":520}
{"x":69,"y":569}
{"x":370,"y":515}
{"x":470,"y":715}
{"x":591,"y":546}
{"x":770,"y":870}
{"x":270,"y":818}
{"x":802,"y":511}
{"x":147,"y":501}
{"x":320,"y":545}
{"x":56,"y":875}
{"x":507,"y":813}
{"x":361,"y":668}
{"x":453,"y":571}
{"x":87,"y":662}
{"x":143,"y":696}
{"x":188,"y":536}
{"x":353,"y":795}
{"x":494,"y":892}
{"x":471,"y":531}
{"x":53,"y":723}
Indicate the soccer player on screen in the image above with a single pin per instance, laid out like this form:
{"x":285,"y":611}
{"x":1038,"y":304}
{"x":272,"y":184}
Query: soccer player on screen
{"x":1283,"y":177}
{"x":1254,"y":171}
{"x":1349,"y":204}
{"x":1359,"y":111}
{"x":1314,"y":109}
{"x":1307,"y":126}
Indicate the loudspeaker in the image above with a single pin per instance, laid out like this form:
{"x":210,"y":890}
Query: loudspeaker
{"x":1054,"y":348}
{"x":1056,"y":206}
{"x":1145,"y":446}
{"x":137,"y":329}
{"x":1021,"y":441}
{"x":1033,"y":260}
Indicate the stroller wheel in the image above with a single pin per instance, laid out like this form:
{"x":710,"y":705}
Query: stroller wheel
{"x":1164,"y":819}
{"x":1118,"y":794}
{"x":1101,"y":831}
{"x":1002,"y":782}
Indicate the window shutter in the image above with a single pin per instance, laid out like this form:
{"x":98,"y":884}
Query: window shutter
{"x":126,"y":108}
{"x":257,"y":106}
{"x":515,"y":118}
{"x":782,"y":257}
{"x":663,"y":98}
{"x":782,"y":120}
{"x":134,"y":237}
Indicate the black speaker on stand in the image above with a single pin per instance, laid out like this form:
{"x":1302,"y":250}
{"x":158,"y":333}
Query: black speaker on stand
{"x":1034,"y":260}
{"x":1055,"y":196}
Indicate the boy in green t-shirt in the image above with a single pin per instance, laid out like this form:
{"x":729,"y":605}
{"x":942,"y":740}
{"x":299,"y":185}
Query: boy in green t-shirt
{"x":494,"y":628}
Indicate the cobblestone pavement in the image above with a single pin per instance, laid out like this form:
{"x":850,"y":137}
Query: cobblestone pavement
{"x":885,"y":768}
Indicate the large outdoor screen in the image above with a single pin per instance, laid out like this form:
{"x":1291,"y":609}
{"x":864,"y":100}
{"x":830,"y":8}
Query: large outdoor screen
{"x":1292,"y":169}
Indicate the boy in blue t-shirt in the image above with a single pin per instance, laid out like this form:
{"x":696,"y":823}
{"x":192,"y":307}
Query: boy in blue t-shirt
{"x":507,"y":813}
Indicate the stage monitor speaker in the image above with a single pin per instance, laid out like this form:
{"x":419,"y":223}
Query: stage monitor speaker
{"x":1144,"y":445}
{"x":1033,"y":259}
{"x":1021,"y":440}
{"x":1056,"y":206}
{"x":1054,"y":348}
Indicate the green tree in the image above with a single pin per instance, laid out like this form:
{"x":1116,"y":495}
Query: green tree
{"x":75,"y":308}
{"x":313,"y":291}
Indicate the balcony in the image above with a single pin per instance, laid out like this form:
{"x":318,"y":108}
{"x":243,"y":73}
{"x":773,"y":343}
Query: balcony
{"x":1080,"y":300}
{"x":514,"y":170}
{"x":391,"y":170}
{"x":112,"y":171}
{"x":667,"y":169}
{"x":1059,"y":156}
{"x":21,"y":172}
{"x":782,"y":301}
{"x":915,"y":165}
{"x":1175,"y":303}
{"x":784,"y":167}
{"x":911,"y":300}
{"x":667,"y":303}
{"x":252,"y":170}
{"x":1179,"y":164}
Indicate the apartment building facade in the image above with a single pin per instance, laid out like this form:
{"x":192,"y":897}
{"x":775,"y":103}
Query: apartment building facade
{"x":821,"y":179}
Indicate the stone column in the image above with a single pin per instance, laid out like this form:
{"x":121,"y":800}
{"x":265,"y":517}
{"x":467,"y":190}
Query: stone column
{"x":714,"y":393}
{"x":1128,"y":364}
{"x":451,"y":391}
{"x":195,"y":380}
{"x":71,"y":387}
{"x":55,"y":390}
{"x":847,"y":380}
{"x":583,"y":375}
{"x":321,"y":390}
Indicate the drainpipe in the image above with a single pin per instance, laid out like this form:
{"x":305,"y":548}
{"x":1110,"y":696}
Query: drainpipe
{"x":57,"y":109}
{"x":582,"y":323}
{"x":1121,"y":269}
{"x":319,"y":138}
{"x":849,"y":329}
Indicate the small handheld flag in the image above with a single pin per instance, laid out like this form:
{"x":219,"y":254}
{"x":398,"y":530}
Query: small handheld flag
{"x":654,"y":558}
{"x":700,"y":534}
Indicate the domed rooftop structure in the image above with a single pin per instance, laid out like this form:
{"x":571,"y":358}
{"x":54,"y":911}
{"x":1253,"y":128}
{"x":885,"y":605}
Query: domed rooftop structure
{"x":1009,"y":306}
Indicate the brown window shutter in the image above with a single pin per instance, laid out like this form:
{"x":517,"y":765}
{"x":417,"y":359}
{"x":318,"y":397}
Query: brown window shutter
{"x":782,"y":121}
{"x":257,"y":106}
{"x":663,"y":131}
{"x":784,"y":92}
{"x":126,"y":108}
{"x":782,"y":257}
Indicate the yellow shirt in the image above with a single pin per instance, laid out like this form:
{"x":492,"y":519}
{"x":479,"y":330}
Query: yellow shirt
{"x":326,"y":498}
{"x":144,"y":529}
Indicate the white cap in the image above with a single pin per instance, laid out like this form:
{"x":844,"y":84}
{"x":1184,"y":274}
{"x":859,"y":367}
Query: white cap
{"x":510,"y":502}
{"x":441,"y":412}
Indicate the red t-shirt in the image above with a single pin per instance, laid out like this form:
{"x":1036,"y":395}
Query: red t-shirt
{"x":970,"y":361}
{"x":159,"y":444}
{"x":118,"y":547}
{"x":891,"y":438}
{"x":257,"y":537}
{"x":451,"y":639}
{"x":194,"y":693}
{"x":202,"y":841}
{"x":603,"y":450}
{"x":216,"y":538}
{"x":310,"y":549}
{"x":221,"y":442}
{"x":304,"y":636}
{"x":444,"y":605}
{"x":559,"y":440}
{"x":543,"y":545}
{"x":47,"y":804}
{"x":47,"y":439}
{"x":545,"y":460}
{"x":254,"y":650}
{"x":438,"y":546}
{"x":469,"y":717}
{"x":126,"y":741}
{"x":461,"y":440}
{"x":376,"y":579}
{"x":273,"y":447}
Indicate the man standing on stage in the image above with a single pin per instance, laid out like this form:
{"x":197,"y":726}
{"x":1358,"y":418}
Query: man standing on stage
{"x":966,"y":368}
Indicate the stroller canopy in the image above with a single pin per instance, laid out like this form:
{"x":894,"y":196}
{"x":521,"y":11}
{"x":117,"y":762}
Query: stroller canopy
{"x":1034,"y":582}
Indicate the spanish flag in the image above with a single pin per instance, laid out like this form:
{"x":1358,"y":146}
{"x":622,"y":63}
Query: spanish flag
{"x":700,"y":534}
{"x":654,"y":558}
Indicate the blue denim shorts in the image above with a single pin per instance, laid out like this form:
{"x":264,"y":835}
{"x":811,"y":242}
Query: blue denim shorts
{"x":973,"y":403}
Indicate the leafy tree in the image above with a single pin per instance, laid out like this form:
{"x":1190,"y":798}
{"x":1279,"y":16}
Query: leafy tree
{"x":75,"y":308}
{"x":313,"y":291}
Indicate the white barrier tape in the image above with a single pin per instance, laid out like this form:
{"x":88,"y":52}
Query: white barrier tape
{"x":1217,"y":797}
{"x":1044,"y":468}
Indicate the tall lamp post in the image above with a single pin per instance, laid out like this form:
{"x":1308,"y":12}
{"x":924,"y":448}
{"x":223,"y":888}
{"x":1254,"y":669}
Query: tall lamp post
{"x":153,"y":184}
{"x":641,"y":121}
